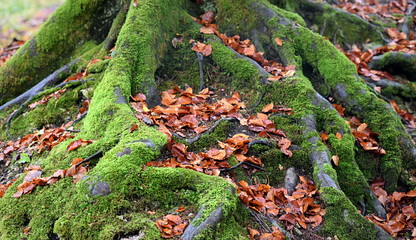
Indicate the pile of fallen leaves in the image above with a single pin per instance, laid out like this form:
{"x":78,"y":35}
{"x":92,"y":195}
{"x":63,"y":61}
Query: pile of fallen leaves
{"x":7,"y":52}
{"x":276,"y":234}
{"x":399,"y":43}
{"x":33,"y":173}
{"x":405,"y":115}
{"x":56,"y":95}
{"x":212,"y":161}
{"x":37,"y":141}
{"x":297,"y":207}
{"x":185,"y":113}
{"x":33,"y":177}
{"x":361,"y":60}
{"x":244,"y":47}
{"x":171,"y":226}
{"x":401,"y":216}
{"x":395,"y":10}
{"x":364,"y":135}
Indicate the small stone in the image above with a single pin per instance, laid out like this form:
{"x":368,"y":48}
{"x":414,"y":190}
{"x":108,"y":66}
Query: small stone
{"x":99,"y":188}
{"x":126,"y":151}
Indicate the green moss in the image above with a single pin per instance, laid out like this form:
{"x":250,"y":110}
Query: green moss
{"x":244,"y":77}
{"x":367,"y":164}
{"x":99,"y":66}
{"x":181,"y":68}
{"x":154,"y":37}
{"x":342,"y":218}
{"x":211,"y":140}
{"x":246,"y":19}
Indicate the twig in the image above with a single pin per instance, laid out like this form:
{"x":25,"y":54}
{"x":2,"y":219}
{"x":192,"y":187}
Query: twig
{"x":78,"y":119}
{"x":95,"y":155}
{"x":72,"y":130}
{"x":210,"y":130}
{"x":364,"y":212}
{"x":241,"y":163}
{"x":263,"y":225}
{"x":258,"y":102}
{"x":382,"y":36}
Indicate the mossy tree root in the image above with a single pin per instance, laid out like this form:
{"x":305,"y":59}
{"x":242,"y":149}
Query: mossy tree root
{"x":117,"y":183}
{"x":338,"y":25}
{"x":396,"y":62}
{"x":340,"y":77}
{"x":50,"y":80}
{"x":301,"y":46}
{"x":73,"y":29}
{"x":112,"y":200}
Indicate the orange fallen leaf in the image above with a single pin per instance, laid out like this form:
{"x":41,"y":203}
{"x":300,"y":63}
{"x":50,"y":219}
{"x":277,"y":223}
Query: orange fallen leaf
{"x":335,"y":159}
{"x":278,"y":41}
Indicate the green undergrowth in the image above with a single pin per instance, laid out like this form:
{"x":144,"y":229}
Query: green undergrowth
{"x":66,"y":33}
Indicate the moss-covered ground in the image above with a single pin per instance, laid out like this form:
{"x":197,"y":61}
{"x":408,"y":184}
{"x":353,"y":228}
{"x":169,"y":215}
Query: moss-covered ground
{"x":146,"y":60}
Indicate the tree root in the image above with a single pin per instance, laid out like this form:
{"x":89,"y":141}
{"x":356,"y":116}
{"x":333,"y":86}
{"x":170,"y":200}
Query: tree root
{"x":48,"y":81}
{"x":291,"y":180}
{"x":264,"y":222}
{"x":319,"y":13}
{"x":241,"y":163}
{"x":209,"y":222}
{"x":395,"y":62}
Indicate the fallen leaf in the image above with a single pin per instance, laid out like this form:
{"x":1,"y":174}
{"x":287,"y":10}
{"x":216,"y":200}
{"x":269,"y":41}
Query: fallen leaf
{"x":278,"y":41}
{"x":335,"y":159}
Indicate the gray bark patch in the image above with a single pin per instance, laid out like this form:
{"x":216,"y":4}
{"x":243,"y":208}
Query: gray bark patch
{"x":99,"y":188}
{"x":120,"y":98}
{"x":126,"y":151}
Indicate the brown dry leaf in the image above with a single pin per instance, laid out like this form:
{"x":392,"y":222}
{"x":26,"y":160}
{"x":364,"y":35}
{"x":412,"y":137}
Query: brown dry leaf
{"x":284,"y":145}
{"x":278,"y":41}
{"x":335,"y":159}
{"x":362,"y":127}
{"x":339,"y":109}
{"x":173,"y":218}
{"x":338,"y":135}
{"x":180,"y":209}
{"x":267,"y":108}
{"x":78,"y":143}
{"x":289,"y":73}
{"x":26,"y":230}
{"x":274,"y":78}
{"x":253,"y":232}
{"x":76,"y":161}
{"x":324,"y":137}
{"x":140,"y":97}
{"x":134,"y":127}
{"x":205,"y":49}
{"x":206,"y":30}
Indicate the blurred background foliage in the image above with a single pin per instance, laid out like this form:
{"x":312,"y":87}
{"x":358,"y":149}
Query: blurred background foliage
{"x":20,"y":19}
